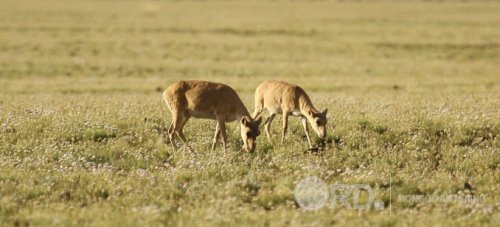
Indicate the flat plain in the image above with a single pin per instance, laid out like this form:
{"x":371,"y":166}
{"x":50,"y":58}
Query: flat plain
{"x":412,"y":88}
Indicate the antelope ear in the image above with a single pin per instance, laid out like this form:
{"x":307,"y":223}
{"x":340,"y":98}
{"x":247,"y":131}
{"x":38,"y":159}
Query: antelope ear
{"x":258,"y":121}
{"x":325,"y":111}
{"x":244,"y":120}
{"x":310,"y":113}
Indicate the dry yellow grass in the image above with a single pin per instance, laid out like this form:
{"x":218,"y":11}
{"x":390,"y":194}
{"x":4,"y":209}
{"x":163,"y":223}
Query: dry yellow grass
{"x":412,"y":89}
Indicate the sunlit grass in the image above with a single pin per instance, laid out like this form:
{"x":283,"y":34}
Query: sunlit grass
{"x":412,"y":91}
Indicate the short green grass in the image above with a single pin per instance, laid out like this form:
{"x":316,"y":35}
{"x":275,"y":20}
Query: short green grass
{"x":412,"y":89}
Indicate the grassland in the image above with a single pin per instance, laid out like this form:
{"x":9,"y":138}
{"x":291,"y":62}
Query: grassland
{"x":413,"y":91}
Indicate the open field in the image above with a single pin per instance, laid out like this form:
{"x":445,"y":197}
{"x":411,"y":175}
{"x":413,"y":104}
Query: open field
{"x":412,"y":88}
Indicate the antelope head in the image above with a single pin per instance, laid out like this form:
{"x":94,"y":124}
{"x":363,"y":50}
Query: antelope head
{"x":249,"y":132}
{"x":318,"y":122}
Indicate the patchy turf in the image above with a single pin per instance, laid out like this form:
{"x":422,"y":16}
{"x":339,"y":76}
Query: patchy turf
{"x":412,"y":90}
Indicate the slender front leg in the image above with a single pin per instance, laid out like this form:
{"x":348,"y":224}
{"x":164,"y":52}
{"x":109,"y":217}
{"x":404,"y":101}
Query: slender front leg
{"x":285,"y":125}
{"x":259,"y":106}
{"x":171,"y":133}
{"x":222,"y":129}
{"x":167,"y":139}
{"x":267,"y":126}
{"x":217,"y":133}
{"x":306,"y":129}
{"x":256,"y":112}
{"x":178,"y":129}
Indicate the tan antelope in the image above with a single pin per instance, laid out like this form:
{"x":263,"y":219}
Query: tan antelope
{"x":208,"y":100}
{"x":288,"y":99}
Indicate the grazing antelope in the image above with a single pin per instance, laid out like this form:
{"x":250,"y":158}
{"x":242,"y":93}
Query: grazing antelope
{"x":203,"y":99}
{"x":283,"y":98}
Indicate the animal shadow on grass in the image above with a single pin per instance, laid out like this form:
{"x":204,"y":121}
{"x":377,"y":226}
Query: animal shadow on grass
{"x":318,"y":149}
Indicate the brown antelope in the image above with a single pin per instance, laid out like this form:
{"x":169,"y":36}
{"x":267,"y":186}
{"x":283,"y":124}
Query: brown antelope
{"x":203,"y":99}
{"x":283,"y":98}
